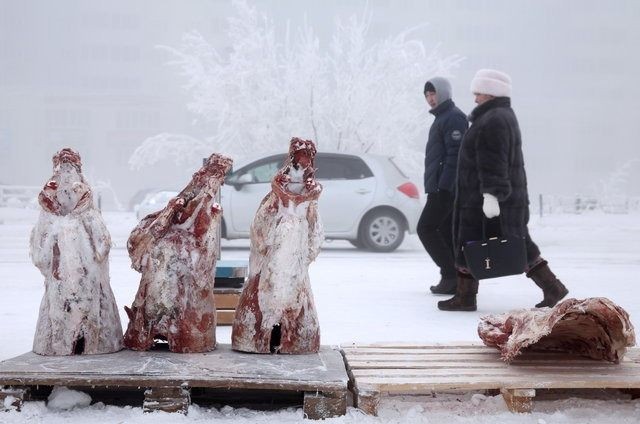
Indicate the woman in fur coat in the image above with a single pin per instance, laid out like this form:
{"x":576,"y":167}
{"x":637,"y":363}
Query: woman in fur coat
{"x":491,"y":182}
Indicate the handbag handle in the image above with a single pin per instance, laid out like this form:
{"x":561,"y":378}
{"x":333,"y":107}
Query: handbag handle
{"x":493,"y":222}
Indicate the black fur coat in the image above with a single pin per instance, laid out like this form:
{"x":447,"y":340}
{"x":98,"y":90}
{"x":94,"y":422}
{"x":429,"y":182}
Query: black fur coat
{"x":491,"y":161}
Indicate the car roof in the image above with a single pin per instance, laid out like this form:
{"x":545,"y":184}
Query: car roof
{"x":246,"y":161}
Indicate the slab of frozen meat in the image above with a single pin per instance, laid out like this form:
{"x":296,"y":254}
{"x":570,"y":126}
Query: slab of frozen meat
{"x":70,"y":246}
{"x":276,"y":313}
{"x":594,"y":327}
{"x":175,"y":250}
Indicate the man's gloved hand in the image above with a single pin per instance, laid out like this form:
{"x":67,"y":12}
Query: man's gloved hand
{"x":490,"y":206}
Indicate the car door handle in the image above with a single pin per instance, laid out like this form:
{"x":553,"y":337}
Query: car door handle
{"x":363,"y":191}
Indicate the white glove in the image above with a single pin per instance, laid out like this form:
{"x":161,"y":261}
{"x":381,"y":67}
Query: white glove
{"x":490,"y":206}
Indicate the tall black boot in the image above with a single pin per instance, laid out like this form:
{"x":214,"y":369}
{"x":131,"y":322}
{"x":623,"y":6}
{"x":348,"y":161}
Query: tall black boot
{"x":552,"y":289}
{"x":445,"y":286}
{"x":465,"y":297}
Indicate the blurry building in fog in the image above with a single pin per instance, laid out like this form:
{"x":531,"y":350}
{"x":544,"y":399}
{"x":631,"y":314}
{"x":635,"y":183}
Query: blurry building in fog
{"x":89,"y":76}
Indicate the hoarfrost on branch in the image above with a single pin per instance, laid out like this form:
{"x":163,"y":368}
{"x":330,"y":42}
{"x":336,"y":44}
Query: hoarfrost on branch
{"x":356,"y":94}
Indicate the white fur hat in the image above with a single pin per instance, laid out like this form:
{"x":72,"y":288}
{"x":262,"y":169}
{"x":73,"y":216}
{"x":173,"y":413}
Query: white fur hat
{"x":492,"y":82}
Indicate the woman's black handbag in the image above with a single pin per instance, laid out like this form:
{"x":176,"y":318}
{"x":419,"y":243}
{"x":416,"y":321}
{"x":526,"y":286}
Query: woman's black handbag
{"x":495,"y":256}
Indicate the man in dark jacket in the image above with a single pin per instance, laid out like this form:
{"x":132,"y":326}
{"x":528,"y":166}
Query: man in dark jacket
{"x":441,"y":158}
{"x":491,"y":182}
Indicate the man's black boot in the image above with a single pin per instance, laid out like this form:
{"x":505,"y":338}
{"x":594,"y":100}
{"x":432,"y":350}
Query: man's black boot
{"x":445,"y":286}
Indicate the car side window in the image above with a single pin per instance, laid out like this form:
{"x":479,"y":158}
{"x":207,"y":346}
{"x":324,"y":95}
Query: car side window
{"x":341,"y":168}
{"x":261,"y":171}
{"x":264,"y":173}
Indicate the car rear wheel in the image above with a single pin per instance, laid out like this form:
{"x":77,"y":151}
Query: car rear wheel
{"x":358,"y":243}
{"x":382,"y":231}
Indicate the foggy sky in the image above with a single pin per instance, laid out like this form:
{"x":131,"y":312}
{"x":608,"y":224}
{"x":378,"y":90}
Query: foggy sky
{"x":89,"y":75}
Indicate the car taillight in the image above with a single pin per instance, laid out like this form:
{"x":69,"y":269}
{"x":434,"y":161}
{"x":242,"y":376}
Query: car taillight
{"x":409,"y":189}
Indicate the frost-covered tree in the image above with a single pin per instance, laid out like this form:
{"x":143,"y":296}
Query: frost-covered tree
{"x":611,"y":190}
{"x":357,"y":95}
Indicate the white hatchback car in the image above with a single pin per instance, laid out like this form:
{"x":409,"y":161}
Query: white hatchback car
{"x":153,"y":201}
{"x":366,"y":199}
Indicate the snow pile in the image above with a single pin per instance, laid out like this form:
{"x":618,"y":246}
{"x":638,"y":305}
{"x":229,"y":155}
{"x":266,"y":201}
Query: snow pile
{"x":8,"y":403}
{"x":364,"y":297}
{"x":62,"y":398}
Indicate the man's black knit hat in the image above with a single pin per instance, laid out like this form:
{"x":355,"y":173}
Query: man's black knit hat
{"x":429,"y":87}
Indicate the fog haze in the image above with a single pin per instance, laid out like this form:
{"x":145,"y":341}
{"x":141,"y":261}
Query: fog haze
{"x":89,"y":75}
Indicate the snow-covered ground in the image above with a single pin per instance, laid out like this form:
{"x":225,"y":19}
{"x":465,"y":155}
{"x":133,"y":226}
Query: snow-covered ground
{"x":363,"y":297}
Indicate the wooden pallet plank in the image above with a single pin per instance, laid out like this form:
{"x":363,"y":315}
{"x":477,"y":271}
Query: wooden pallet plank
{"x":167,"y":399}
{"x":226,"y":300}
{"x":411,"y":345}
{"x":422,"y":384}
{"x":367,"y":401}
{"x":426,"y":357}
{"x":226,"y":290}
{"x":464,"y":358}
{"x":354,"y":365}
{"x":323,"y":405}
{"x":444,"y":375}
{"x":225,"y":316}
{"x":413,"y":363}
{"x":632,"y":355}
{"x":416,"y":350}
{"x":518,"y":400}
{"x":221,"y":368}
{"x":533,"y":372}
{"x":462,"y":353}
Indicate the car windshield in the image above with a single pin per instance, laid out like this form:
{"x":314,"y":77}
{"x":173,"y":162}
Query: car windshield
{"x":260,"y":172}
{"x":264,"y":173}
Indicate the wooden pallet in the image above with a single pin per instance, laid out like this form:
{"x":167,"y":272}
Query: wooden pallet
{"x":230,"y":278}
{"x":167,"y":379}
{"x":422,"y":369}
{"x":227,"y":300}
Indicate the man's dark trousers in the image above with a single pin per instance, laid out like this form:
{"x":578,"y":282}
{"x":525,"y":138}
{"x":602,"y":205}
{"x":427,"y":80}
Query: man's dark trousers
{"x":435,"y":231}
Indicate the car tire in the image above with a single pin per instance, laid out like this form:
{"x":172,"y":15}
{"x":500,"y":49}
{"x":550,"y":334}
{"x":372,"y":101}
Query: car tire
{"x":382,"y":231}
{"x":358,"y":243}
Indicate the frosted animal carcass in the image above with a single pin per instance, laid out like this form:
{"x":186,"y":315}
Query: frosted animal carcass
{"x":70,"y":246}
{"x":593,"y":327}
{"x":175,"y":250}
{"x":276,"y":312}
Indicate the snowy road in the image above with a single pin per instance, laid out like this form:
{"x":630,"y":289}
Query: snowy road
{"x":366,"y":297}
